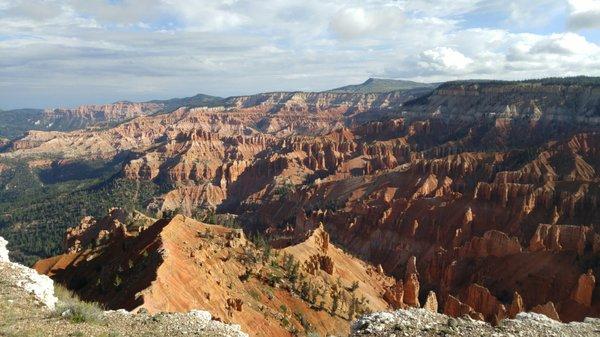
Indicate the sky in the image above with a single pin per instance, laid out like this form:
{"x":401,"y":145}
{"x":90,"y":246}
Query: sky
{"x":62,"y":53}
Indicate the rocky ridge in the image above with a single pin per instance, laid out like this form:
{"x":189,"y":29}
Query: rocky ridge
{"x":420,"y":322}
{"x":178,"y":265}
{"x":29,"y":305}
{"x":114,"y":112}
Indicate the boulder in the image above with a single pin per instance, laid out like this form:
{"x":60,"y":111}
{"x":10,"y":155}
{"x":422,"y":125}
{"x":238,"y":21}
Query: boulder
{"x":481,"y":300}
{"x":411,"y":290}
{"x":516,"y":306}
{"x":582,"y":293}
{"x":455,"y":308}
{"x":547,"y":309}
{"x":431,"y":302}
{"x":394,"y":295}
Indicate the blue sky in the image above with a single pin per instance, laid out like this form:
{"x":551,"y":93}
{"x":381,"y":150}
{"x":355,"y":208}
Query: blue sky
{"x":70,"y":52}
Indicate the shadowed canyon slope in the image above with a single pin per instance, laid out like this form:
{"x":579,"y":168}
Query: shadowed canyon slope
{"x":179,"y":264}
{"x":478,"y":198}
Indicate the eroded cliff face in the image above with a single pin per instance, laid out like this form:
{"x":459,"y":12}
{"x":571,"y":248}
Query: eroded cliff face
{"x":487,"y":195}
{"x":179,"y":264}
{"x":90,"y":114}
{"x":535,"y":102}
{"x":475,"y":218}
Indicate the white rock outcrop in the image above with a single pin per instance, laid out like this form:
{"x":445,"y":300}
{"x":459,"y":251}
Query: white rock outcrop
{"x":3,"y":250}
{"x":424,"y":323}
{"x":41,"y":286}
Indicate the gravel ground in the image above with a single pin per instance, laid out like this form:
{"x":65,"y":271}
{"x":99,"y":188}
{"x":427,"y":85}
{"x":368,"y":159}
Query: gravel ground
{"x":420,"y":322}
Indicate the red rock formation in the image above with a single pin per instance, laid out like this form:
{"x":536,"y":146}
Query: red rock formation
{"x":516,"y":305}
{"x":456,"y":308}
{"x":493,"y":243}
{"x":411,"y":290}
{"x":459,"y":187}
{"x":319,"y":262}
{"x":234,"y":304}
{"x":481,"y":300}
{"x":394,"y":295}
{"x":582,"y":294}
{"x":180,"y":264}
{"x":321,"y":238}
{"x":547,"y":309}
{"x":92,"y":232}
{"x":411,"y":267}
{"x":561,"y":238}
{"x":431,"y":302}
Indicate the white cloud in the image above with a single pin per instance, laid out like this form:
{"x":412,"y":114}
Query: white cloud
{"x":530,"y":14}
{"x":443,"y":7}
{"x":557,"y":54}
{"x":444,"y":59}
{"x":117,"y":12}
{"x":564,"y":44}
{"x":584,"y":14}
{"x":352,"y":22}
{"x":67,"y":52}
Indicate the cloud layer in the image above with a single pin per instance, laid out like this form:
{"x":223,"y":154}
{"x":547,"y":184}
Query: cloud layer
{"x":584,"y":14}
{"x":68,"y":52}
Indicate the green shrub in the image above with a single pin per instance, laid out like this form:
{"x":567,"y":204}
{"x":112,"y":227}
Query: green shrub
{"x":255,"y":295}
{"x":74,"y":309}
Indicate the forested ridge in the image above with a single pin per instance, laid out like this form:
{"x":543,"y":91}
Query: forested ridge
{"x":35,"y":212}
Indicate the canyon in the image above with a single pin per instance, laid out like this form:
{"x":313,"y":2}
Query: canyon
{"x":476,"y":198}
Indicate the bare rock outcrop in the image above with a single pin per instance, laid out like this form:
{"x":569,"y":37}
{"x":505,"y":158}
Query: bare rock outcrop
{"x":411,"y":267}
{"x":561,"y":238}
{"x":493,"y":243}
{"x":3,"y":250}
{"x":583,"y":293}
{"x":455,"y":308}
{"x":26,"y":279}
{"x":431,"y":302}
{"x":319,"y":262}
{"x":481,"y":300}
{"x":516,"y":306}
{"x":411,"y":290}
{"x":547,"y":309}
{"x":95,"y":232}
{"x":114,"y":112}
{"x":424,"y":323}
{"x":394,"y":295}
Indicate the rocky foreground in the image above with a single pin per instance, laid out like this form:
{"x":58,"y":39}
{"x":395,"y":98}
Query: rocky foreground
{"x":421,"y":322}
{"x":29,"y":307}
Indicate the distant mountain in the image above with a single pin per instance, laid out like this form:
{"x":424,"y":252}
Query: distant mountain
{"x":13,"y":123}
{"x":107,"y":114}
{"x":589,"y":81}
{"x":194,"y":101}
{"x":379,"y":85}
